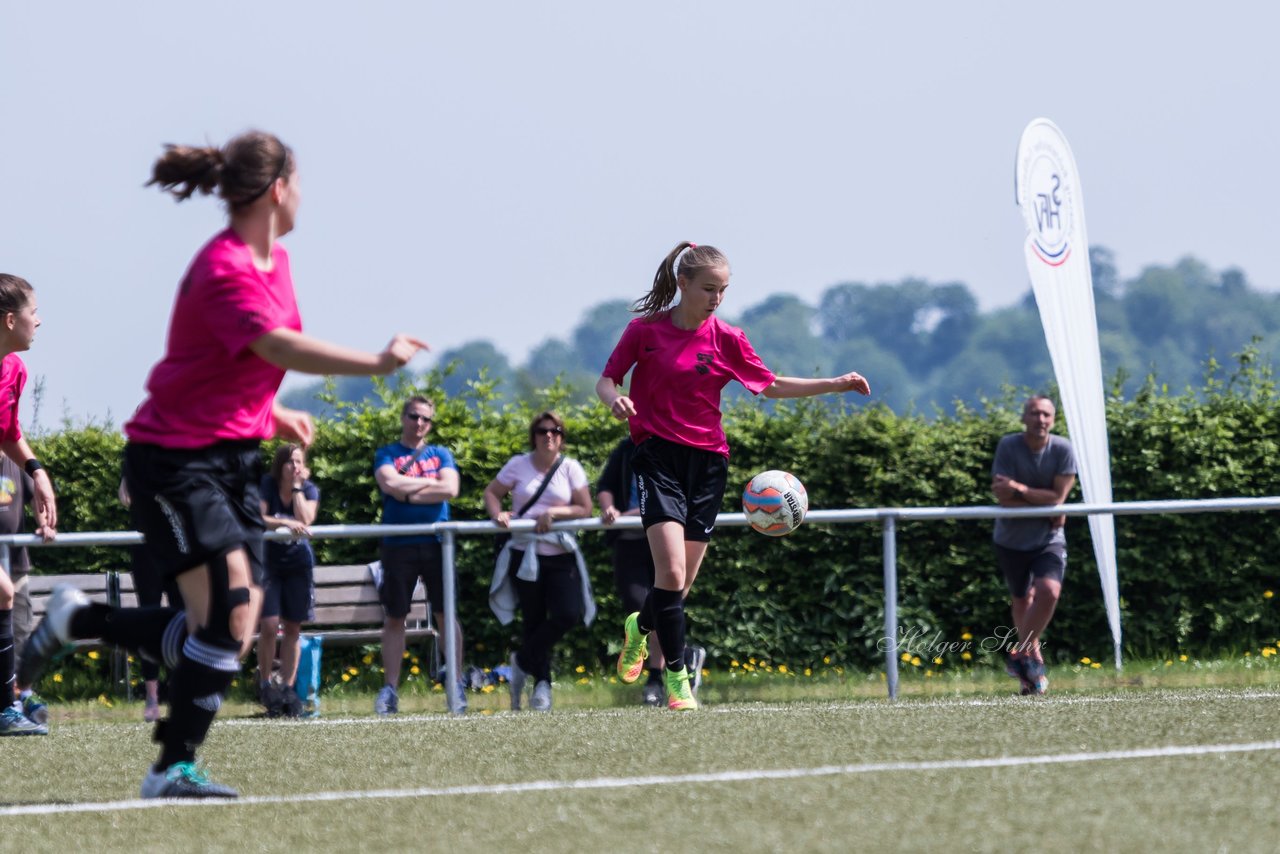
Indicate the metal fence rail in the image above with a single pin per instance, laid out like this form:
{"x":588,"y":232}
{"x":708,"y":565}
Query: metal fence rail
{"x":888,"y":516}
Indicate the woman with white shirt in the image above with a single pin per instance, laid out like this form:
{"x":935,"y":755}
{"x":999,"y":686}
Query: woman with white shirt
{"x":542,"y":572}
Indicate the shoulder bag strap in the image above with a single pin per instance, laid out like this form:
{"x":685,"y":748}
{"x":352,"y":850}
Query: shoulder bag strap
{"x":543,"y":488}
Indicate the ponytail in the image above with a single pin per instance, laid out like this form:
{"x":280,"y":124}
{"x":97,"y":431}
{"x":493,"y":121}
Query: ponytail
{"x":662,"y":293}
{"x":241,"y":172}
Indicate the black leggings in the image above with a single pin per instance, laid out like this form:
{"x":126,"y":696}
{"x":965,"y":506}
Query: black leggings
{"x":149,"y":586}
{"x":632,"y":572}
{"x":549,"y":607}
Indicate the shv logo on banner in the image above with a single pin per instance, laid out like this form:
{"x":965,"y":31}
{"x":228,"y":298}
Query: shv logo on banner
{"x":1047,"y":189}
{"x":1050,"y":203}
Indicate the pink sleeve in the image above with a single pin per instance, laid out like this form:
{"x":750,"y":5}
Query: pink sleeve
{"x":10,"y":430}
{"x":625,"y":353}
{"x":747,"y":367}
{"x":238,"y":309}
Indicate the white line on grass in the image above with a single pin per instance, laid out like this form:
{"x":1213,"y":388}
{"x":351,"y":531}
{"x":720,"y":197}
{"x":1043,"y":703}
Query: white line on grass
{"x":659,"y":780}
{"x":755,"y":708}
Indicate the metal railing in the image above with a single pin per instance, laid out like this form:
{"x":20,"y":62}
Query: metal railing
{"x":888,"y":516}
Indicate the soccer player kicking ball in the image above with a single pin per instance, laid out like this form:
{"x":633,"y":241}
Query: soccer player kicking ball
{"x":683,"y":356}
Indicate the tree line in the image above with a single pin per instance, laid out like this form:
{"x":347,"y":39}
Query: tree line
{"x":925,"y":346}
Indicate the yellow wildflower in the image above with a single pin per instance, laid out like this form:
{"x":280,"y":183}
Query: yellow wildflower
{"x":93,"y":655}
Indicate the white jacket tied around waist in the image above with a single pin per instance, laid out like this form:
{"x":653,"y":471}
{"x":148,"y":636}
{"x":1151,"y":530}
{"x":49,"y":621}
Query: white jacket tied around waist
{"x":503,"y":600}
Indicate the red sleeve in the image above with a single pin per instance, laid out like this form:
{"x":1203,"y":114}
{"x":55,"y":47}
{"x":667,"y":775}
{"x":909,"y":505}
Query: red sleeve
{"x":625,"y":353}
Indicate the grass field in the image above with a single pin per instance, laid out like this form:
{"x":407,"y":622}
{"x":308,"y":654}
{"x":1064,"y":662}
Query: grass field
{"x":1155,"y":760}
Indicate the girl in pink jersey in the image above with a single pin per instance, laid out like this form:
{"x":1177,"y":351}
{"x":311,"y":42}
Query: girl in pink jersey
{"x":18,"y":323}
{"x":683,"y":356}
{"x":192,"y":461}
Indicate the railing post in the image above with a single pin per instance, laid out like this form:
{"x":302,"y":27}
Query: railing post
{"x":891,"y":605}
{"x":452,"y":667}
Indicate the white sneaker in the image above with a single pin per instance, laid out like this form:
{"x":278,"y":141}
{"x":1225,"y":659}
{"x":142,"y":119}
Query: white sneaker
{"x":53,"y":635}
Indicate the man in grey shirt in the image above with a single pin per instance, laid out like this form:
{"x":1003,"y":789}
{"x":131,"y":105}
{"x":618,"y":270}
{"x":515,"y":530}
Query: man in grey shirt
{"x":1033,"y":468}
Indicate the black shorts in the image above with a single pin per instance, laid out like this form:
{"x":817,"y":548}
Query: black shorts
{"x":194,"y":505}
{"x":1021,"y":568}
{"x":290,"y":595}
{"x":677,"y":483}
{"x":402,"y":566}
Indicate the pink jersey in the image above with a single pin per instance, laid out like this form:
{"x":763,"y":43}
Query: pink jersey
{"x":13,"y":377}
{"x":210,"y":386}
{"x":678,"y":377}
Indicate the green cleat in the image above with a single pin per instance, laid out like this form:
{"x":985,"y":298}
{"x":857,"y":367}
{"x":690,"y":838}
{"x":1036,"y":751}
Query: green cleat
{"x":679,"y":694}
{"x":635,"y":650}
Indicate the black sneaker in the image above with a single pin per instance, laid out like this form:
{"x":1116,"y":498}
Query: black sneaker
{"x":183,"y":780}
{"x":290,"y":703}
{"x":653,"y":693}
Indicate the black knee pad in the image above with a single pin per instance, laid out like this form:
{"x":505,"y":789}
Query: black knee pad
{"x":223,"y":599}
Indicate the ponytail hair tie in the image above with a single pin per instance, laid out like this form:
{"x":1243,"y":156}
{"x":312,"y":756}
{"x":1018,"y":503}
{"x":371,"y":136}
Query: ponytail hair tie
{"x":693,"y":246}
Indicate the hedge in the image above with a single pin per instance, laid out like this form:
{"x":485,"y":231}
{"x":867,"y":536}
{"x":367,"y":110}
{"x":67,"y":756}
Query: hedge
{"x":1192,"y":583}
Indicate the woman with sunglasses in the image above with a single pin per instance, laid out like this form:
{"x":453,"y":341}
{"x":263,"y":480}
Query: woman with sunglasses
{"x":542,"y":571}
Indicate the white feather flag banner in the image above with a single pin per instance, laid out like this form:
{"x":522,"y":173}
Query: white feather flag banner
{"x":1047,"y":187}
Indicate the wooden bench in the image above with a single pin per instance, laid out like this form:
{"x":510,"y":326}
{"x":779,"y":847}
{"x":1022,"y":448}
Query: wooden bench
{"x":347,"y":608}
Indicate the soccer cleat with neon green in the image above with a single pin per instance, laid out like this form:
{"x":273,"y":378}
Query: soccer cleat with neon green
{"x":679,"y":694}
{"x":635,"y":650}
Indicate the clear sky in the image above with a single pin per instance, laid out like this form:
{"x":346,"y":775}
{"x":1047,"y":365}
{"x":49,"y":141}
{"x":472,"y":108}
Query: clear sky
{"x":491,"y":170}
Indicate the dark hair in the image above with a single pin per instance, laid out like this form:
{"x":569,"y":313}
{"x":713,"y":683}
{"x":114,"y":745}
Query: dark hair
{"x":538,"y":419}
{"x":15,"y":293}
{"x":698,"y":258}
{"x":417,"y":398}
{"x":1026,"y":406}
{"x":283,"y":454}
{"x":242,"y":171}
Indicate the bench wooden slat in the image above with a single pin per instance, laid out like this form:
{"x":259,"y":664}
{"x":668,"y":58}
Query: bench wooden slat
{"x":347,"y":606}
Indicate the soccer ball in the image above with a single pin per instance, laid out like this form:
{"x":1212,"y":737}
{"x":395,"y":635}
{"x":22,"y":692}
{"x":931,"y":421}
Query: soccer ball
{"x":775,"y":503}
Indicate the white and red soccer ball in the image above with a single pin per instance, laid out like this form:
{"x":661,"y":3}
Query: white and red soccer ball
{"x":775,"y":503}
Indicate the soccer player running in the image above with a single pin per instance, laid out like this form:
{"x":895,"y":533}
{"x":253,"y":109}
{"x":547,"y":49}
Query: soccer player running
{"x":192,"y":460}
{"x":18,"y":324}
{"x":683,"y":356}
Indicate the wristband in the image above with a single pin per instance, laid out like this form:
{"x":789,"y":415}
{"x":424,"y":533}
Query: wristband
{"x":297,"y":489}
{"x":32,"y":466}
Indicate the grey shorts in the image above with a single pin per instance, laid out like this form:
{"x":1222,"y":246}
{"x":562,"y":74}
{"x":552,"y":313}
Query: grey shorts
{"x":1021,"y":568}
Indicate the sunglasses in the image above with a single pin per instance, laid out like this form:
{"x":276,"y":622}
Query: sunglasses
{"x":425,"y":419}
{"x":548,"y":431}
